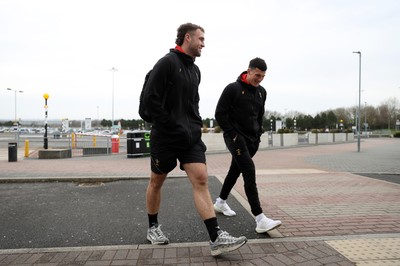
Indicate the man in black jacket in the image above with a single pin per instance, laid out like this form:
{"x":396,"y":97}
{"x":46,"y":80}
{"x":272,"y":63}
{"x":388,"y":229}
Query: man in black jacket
{"x":239,"y":113}
{"x":172,"y":99}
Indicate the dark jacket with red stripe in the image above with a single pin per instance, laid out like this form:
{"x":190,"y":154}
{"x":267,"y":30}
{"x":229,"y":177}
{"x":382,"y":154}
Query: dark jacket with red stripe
{"x":240,"y":110}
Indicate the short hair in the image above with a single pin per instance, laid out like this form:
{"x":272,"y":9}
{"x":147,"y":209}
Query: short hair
{"x":185,"y":28}
{"x":258,"y":63}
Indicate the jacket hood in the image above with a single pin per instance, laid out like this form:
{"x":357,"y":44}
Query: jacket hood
{"x":241,"y":79}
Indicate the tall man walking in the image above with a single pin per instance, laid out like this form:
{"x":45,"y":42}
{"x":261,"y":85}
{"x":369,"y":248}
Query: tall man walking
{"x":172,"y":99}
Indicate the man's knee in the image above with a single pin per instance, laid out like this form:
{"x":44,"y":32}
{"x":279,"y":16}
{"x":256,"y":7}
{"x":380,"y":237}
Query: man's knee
{"x":157,"y":180}
{"x":197,"y":173}
{"x":201,"y":179}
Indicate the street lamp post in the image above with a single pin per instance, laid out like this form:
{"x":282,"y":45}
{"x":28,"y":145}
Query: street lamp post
{"x":46,"y":141}
{"x":15,"y":113}
{"x":359,"y":102}
{"x":112,"y":116}
{"x":15,"y":103}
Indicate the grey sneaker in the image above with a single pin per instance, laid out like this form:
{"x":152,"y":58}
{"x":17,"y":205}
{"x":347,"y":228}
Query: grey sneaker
{"x":156,"y":236}
{"x":226,"y":243}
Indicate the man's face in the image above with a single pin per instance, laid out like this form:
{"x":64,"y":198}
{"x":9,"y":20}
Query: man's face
{"x":255,"y":76}
{"x":196,"y":43}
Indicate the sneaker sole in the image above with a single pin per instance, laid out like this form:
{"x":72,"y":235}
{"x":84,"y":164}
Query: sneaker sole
{"x":220,"y":251}
{"x":261,"y":231}
{"x":220,"y":211}
{"x":153,"y":242}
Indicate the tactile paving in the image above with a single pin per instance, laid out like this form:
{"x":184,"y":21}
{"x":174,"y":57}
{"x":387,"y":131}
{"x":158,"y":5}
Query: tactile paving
{"x":384,"y":251}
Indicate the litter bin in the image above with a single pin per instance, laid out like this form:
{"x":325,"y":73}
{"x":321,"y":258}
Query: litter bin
{"x":12,"y":151}
{"x":57,"y":135}
{"x":138,"y":143}
{"x":114,"y":144}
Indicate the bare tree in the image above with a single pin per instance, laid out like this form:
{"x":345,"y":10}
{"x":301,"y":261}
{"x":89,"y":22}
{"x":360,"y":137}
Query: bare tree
{"x":391,"y":106}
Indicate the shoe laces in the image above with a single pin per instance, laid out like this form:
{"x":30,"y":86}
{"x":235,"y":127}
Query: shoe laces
{"x":226,"y":236}
{"x":157,"y":231}
{"x":225,"y":207}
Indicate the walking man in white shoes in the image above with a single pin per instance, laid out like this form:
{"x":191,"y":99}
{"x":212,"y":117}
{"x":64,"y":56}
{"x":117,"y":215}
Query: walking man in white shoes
{"x":239,"y":113}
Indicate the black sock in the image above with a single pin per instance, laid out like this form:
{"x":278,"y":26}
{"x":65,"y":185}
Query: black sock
{"x":152,"y":219}
{"x":212,"y":228}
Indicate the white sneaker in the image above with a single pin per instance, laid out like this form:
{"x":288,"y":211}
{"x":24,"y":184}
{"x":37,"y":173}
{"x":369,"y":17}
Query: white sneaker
{"x":223,"y":207}
{"x":266,"y":224}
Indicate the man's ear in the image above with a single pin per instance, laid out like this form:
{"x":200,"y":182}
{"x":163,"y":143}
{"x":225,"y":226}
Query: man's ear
{"x":187,"y":36}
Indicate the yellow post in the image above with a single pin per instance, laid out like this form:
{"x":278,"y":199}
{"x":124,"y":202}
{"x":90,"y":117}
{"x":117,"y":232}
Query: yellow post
{"x":26,"y":148}
{"x":94,"y":141}
{"x":73,"y":140}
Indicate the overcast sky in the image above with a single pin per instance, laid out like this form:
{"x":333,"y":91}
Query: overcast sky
{"x":67,"y":48}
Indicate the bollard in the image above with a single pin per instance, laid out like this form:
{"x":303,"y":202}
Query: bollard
{"x":114,"y":144}
{"x":73,"y":139}
{"x":94,"y":141}
{"x":26,"y":148}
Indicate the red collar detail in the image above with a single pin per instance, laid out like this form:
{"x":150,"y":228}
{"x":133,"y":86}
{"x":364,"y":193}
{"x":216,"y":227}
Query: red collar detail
{"x":179,"y":48}
{"x":244,"y":78}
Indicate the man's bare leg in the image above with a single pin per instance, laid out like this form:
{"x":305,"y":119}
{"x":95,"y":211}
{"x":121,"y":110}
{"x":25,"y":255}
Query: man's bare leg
{"x":198,"y":176}
{"x":153,"y":193}
{"x":153,"y":201}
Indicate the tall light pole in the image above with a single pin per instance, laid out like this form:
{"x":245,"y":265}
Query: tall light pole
{"x":359,"y":102}
{"x":112,"y":116}
{"x":15,"y":102}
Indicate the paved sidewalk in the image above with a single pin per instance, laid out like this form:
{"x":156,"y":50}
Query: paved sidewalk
{"x":331,"y":213}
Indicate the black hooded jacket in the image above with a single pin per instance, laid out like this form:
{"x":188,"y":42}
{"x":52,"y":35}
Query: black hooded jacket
{"x":240,"y":110}
{"x":172,"y":99}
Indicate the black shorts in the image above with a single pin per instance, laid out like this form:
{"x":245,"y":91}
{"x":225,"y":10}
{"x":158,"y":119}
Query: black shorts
{"x":164,"y":159}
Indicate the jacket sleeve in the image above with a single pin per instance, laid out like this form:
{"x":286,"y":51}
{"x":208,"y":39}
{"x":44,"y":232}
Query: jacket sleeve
{"x":223,"y":108}
{"x":262,"y":111}
{"x":156,"y":89}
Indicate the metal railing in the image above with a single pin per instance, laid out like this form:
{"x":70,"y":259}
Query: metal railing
{"x":92,"y":144}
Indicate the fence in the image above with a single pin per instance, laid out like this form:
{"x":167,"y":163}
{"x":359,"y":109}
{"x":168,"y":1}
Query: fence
{"x":80,"y":144}
{"x":89,"y":145}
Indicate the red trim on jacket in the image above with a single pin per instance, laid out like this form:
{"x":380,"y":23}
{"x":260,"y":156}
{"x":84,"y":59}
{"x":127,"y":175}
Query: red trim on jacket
{"x":244,"y":78}
{"x":179,"y":48}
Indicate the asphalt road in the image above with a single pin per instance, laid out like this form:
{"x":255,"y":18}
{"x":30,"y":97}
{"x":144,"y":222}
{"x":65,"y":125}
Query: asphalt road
{"x":393,"y":178}
{"x":63,"y":214}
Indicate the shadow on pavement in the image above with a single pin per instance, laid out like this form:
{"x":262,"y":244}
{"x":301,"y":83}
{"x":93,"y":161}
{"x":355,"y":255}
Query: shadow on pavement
{"x":393,"y":178}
